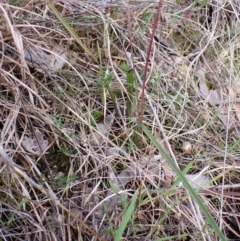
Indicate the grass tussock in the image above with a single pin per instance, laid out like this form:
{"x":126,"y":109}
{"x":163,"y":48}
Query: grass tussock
{"x":76,"y":163}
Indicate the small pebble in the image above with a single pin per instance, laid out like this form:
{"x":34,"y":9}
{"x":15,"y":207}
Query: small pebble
{"x":187,"y":147}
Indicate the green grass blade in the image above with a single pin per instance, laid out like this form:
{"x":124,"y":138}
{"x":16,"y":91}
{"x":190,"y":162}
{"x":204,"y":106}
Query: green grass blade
{"x":172,"y":237}
{"x":209,"y":218}
{"x":70,"y":30}
{"x":113,"y":98}
{"x":126,"y":218}
{"x":122,"y":200}
{"x":160,"y":221}
{"x":184,"y":171}
{"x":99,"y":55}
{"x":17,"y":208}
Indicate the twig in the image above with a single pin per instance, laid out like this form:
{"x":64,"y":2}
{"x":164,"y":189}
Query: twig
{"x":155,"y":21}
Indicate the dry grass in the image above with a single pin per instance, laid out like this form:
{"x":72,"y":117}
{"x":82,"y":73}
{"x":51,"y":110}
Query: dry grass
{"x":66,"y":133}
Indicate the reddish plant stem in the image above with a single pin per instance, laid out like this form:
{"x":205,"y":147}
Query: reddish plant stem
{"x":155,"y":22}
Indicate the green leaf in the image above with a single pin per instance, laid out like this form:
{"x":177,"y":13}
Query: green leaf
{"x":184,"y":171}
{"x":126,"y":218}
{"x":197,"y":199}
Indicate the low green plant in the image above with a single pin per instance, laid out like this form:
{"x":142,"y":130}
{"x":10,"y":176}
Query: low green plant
{"x":124,"y":67}
{"x":95,"y":115}
{"x":105,"y":78}
{"x":62,"y":180}
{"x":58,"y":91}
{"x":63,"y":150}
{"x":233,"y":145}
{"x":147,"y":15}
{"x":58,"y":122}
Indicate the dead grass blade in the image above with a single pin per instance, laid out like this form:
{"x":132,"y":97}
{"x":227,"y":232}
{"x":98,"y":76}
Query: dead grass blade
{"x":66,"y":25}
